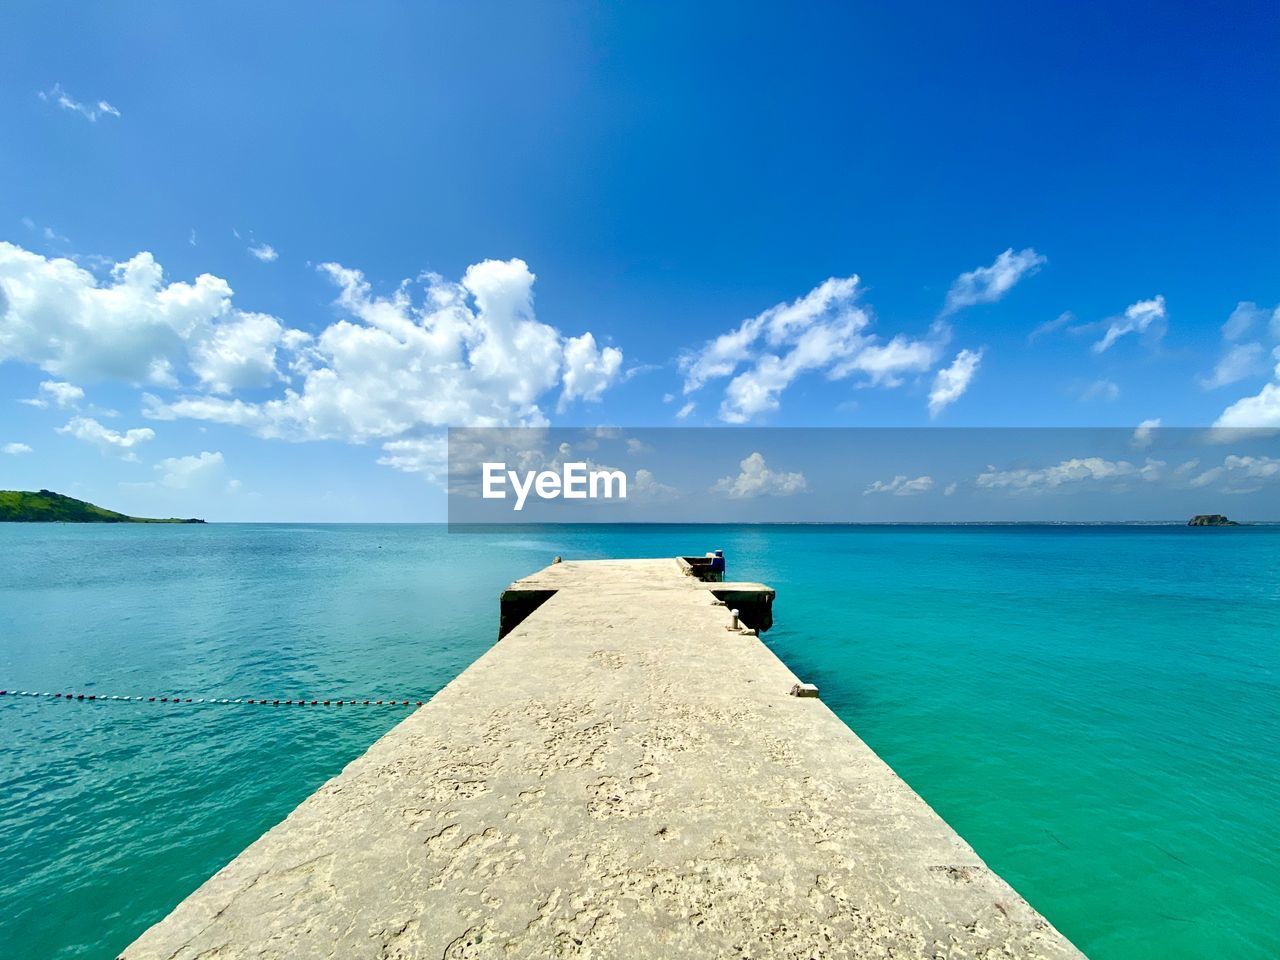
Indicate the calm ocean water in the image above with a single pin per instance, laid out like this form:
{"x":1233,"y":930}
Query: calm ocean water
{"x":1095,"y":709}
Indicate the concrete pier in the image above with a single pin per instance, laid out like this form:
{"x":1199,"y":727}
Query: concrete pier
{"x":621,"y":776}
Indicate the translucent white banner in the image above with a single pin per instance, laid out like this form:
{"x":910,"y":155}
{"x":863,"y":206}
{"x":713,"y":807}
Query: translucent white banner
{"x":861,"y":475}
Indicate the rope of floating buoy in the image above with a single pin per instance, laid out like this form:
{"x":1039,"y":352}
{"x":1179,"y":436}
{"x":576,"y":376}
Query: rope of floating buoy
{"x":195,"y":701}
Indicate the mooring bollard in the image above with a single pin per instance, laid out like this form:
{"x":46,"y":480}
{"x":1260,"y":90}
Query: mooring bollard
{"x":733,"y":624}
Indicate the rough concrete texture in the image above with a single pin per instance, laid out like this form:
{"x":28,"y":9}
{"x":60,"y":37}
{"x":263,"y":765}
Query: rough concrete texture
{"x":620,"y":777}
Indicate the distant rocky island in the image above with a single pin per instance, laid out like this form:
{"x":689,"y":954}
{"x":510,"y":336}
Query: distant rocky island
{"x":45,"y":506}
{"x":1211,"y":520}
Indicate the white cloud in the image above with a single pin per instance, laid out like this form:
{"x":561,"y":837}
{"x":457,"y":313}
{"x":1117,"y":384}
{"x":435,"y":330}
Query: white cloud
{"x":136,"y":328}
{"x":989,"y":284}
{"x":687,"y":409}
{"x":425,"y":455}
{"x":828,"y":304}
{"x":1071,"y":472}
{"x":473,"y":353}
{"x":1050,"y":326}
{"x":1240,"y":474}
{"x":241,"y":352}
{"x":1140,"y":317}
{"x":1246,"y":316}
{"x":63,"y":394}
{"x":233,"y":412}
{"x":646,"y":486}
{"x":194,"y":472}
{"x":1260,"y":410}
{"x":106,"y":440}
{"x":588,"y":371}
{"x":55,"y":391}
{"x":900,"y":486}
{"x":951,"y":382}
{"x":15,"y":449}
{"x":263,"y":252}
{"x":91,"y":112}
{"x":756,"y":479}
{"x":884,"y":363}
{"x":467,"y":353}
{"x":1241,"y":361}
{"x":825,"y":330}
{"x":1101,"y":389}
{"x":950,"y":489}
{"x":1143,"y":434}
{"x":46,"y":232}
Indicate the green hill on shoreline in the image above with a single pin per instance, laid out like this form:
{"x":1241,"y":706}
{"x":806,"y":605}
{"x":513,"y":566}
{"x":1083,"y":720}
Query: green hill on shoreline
{"x":23,"y":506}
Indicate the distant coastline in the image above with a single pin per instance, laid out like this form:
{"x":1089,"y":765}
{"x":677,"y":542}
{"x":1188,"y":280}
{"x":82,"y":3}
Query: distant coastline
{"x":45,"y":506}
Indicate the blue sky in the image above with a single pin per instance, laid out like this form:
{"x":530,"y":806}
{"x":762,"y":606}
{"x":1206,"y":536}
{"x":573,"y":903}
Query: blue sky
{"x":1053,"y":215}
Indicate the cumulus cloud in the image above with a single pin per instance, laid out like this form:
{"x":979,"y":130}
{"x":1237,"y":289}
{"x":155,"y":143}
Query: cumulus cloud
{"x":1140,"y":317}
{"x":240,"y":353}
{"x":951,"y":382}
{"x":195,"y":472}
{"x":1240,"y":474}
{"x":1259,"y":411}
{"x":645,"y":486}
{"x":136,"y":328}
{"x":91,"y":112}
{"x":900,"y":486}
{"x":1144,"y":433}
{"x":1262,"y":410}
{"x":588,"y":371}
{"x":56,"y":392}
{"x":755,"y":479}
{"x":685,"y":410}
{"x":15,"y":449}
{"x":263,"y":252}
{"x":457,"y":353}
{"x":824,"y":330}
{"x":470,"y":353}
{"x":427,"y":456}
{"x":989,"y":284}
{"x":1068,"y":473}
{"x":107,"y":440}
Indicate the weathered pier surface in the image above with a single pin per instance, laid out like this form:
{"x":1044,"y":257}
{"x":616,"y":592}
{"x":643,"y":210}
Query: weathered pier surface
{"x":621,"y":776}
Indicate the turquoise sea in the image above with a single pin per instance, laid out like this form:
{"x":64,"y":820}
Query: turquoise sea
{"x":1095,"y":709}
